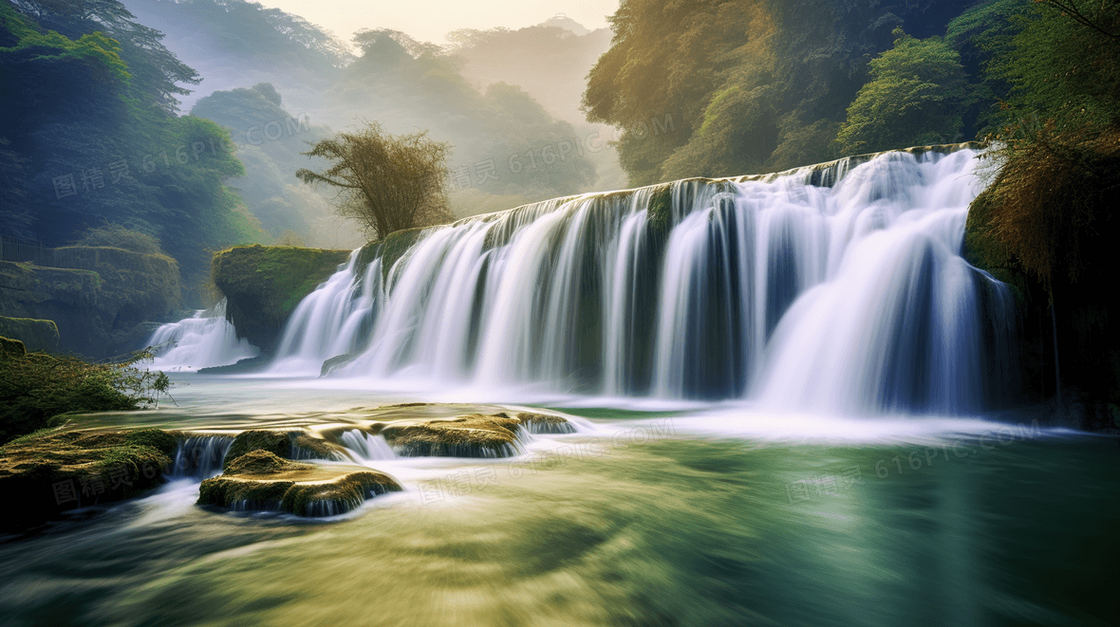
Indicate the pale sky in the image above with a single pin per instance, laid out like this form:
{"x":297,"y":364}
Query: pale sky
{"x":431,"y":20}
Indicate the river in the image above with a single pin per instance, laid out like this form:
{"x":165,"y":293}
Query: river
{"x":715,"y":514}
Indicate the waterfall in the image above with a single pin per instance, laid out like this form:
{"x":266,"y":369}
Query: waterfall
{"x":205,"y":339}
{"x":200,"y":456}
{"x":837,"y":287}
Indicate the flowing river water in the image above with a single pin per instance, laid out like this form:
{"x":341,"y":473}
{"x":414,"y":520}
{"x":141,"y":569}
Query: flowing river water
{"x":713,"y":515}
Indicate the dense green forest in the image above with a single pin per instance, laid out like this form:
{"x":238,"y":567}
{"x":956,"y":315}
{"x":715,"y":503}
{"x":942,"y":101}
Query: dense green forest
{"x":92,"y":138}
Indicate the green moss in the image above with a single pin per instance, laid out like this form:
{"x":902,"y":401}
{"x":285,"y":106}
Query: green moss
{"x":473,"y":435}
{"x":47,"y":472}
{"x":157,"y":439}
{"x":11,"y":348}
{"x":37,"y":335}
{"x":36,"y":387}
{"x":278,"y":443}
{"x":261,"y":480}
{"x":395,"y":246}
{"x":344,"y":494}
{"x":263,"y":285}
{"x":260,"y":462}
{"x":660,"y":212}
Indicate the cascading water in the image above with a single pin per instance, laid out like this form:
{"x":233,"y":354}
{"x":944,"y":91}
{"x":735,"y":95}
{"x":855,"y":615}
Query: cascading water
{"x":839,"y":287}
{"x":204,"y":340}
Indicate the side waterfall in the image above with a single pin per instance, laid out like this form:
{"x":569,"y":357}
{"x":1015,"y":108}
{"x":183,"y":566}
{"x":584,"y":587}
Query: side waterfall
{"x":837,"y":287}
{"x":204,"y":340}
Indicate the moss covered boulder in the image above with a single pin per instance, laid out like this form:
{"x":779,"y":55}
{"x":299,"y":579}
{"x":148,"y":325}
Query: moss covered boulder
{"x":471,"y":435}
{"x":261,"y":481}
{"x":263,"y":285}
{"x":37,"y":335}
{"x":46,"y":473}
{"x":544,"y":423}
{"x":282,"y":444}
{"x":96,"y":298}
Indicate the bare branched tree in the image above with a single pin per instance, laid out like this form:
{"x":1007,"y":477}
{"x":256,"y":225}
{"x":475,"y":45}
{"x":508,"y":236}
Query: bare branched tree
{"x":386,"y":182}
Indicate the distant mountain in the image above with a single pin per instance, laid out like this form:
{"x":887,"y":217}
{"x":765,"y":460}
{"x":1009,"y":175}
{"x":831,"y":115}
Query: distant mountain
{"x":563,"y":21}
{"x":235,"y":43}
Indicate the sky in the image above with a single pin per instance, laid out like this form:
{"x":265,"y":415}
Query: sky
{"x":431,"y":20}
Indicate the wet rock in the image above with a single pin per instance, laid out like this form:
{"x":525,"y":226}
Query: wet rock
{"x":261,"y":481}
{"x":473,"y":435}
{"x":544,"y":423}
{"x":278,"y":443}
{"x":306,"y":446}
{"x":283,"y":444}
{"x":44,"y":474}
{"x":336,"y":362}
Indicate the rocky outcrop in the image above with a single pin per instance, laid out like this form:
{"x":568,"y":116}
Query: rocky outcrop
{"x":44,"y":474}
{"x":37,"y":335}
{"x":261,"y":481}
{"x":283,"y":444}
{"x":263,"y":285}
{"x":471,"y":435}
{"x":99,"y":310}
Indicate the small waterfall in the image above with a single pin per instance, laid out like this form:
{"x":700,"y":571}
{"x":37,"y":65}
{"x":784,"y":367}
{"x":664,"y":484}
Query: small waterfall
{"x":201,"y":456}
{"x":837,"y":287}
{"x":204,"y":340}
{"x":366,"y":447}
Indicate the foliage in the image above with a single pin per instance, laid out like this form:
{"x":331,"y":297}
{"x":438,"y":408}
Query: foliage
{"x":37,"y":387}
{"x":1050,"y":206}
{"x":1061,"y":69}
{"x":154,"y":70}
{"x":91,"y":134}
{"x":387,"y":183}
{"x":270,"y":160}
{"x":118,"y":236}
{"x":753,"y":85}
{"x":915,"y":97}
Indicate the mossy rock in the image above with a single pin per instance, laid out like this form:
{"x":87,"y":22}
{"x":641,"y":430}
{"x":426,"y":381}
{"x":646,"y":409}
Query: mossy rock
{"x":473,"y":435}
{"x":36,"y":335}
{"x":389,"y":249}
{"x":37,"y":386}
{"x":278,"y":443}
{"x":544,"y":423}
{"x":306,"y":446}
{"x":48,"y":472}
{"x":263,"y":285}
{"x":262,"y":481}
{"x":11,"y":348}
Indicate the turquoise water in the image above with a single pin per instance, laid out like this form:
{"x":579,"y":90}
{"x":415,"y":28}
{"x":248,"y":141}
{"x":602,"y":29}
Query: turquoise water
{"x":701,"y":515}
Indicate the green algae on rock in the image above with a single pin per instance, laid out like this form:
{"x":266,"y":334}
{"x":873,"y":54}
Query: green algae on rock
{"x":263,"y":285}
{"x":283,"y":444}
{"x":261,"y":481}
{"x":45,"y":473}
{"x":471,"y":435}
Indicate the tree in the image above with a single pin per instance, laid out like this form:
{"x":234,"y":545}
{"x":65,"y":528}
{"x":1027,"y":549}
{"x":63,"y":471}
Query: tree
{"x":915,"y":96}
{"x":386,"y":182}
